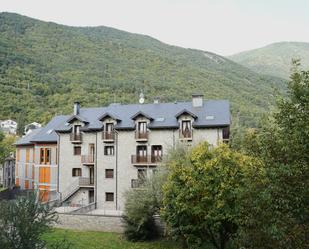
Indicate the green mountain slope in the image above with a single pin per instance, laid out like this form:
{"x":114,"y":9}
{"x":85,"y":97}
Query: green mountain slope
{"x":44,"y":67}
{"x":274,"y":59}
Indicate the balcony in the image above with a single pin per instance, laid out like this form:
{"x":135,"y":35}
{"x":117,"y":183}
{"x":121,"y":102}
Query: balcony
{"x":146,"y":160}
{"x":186,"y":135}
{"x":85,"y":182}
{"x":108,"y":136}
{"x":141,"y":136}
{"x":137,"y":183}
{"x":88,"y":159}
{"x":76,"y":138}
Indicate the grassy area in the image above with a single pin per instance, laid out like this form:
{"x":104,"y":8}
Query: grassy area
{"x":102,"y":240}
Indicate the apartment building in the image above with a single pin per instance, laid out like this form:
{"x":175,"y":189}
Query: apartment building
{"x":37,"y":161}
{"x":96,"y":154}
{"x":105,"y":151}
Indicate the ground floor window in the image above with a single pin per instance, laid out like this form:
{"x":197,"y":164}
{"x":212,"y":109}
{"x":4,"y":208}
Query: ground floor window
{"x":109,"y":196}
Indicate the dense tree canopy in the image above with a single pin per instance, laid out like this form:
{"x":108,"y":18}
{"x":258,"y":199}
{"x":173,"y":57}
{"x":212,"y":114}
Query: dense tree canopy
{"x":204,"y":194}
{"x":45,"y":67}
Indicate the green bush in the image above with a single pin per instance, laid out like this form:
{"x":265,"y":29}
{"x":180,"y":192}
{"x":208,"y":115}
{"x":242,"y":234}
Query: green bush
{"x":141,"y":205}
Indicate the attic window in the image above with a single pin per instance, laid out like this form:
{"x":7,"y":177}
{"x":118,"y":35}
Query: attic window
{"x":160,"y":119}
{"x":49,"y":131}
{"x":210,"y":117}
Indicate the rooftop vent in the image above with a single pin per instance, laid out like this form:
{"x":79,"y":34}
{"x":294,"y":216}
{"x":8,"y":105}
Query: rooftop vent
{"x":76,"y":108}
{"x":197,"y":100}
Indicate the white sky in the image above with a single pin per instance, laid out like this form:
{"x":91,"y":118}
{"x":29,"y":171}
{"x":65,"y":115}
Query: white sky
{"x":220,"y":26}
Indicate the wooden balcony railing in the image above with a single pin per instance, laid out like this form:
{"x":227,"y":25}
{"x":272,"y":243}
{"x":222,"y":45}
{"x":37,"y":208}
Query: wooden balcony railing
{"x":186,"y":135}
{"x":141,"y":135}
{"x":75,"y":137}
{"x":137,"y":183}
{"x":87,"y":159}
{"x":108,"y":135}
{"x":137,"y":159}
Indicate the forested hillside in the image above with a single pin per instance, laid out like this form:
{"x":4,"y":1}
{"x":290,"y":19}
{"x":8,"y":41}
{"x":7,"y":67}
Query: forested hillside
{"x":44,"y":67}
{"x":274,"y":59}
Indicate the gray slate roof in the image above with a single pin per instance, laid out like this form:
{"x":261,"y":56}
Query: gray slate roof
{"x":45,"y":134}
{"x":163,"y":115}
{"x":213,"y":113}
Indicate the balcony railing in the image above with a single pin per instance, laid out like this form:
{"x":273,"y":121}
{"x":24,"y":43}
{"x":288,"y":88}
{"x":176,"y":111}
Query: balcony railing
{"x":139,"y":135}
{"x":186,"y":135}
{"x":85,"y":181}
{"x":108,"y":136}
{"x":87,"y":159}
{"x":137,"y":183}
{"x":75,"y":137}
{"x":137,"y":159}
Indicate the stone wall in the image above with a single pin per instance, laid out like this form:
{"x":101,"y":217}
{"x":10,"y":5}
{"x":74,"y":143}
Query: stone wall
{"x":86,"y":222}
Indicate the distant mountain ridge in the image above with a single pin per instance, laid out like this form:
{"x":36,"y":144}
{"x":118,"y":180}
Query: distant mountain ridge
{"x":45,"y":67}
{"x":274,"y":59}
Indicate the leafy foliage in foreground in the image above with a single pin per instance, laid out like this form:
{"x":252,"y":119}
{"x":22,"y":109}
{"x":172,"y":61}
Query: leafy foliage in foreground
{"x":282,"y":143}
{"x":206,"y":192}
{"x":45,"y":67}
{"x":141,"y":206}
{"x":23,"y":221}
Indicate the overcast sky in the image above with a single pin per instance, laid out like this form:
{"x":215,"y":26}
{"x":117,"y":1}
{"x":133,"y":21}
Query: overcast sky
{"x":220,"y":26}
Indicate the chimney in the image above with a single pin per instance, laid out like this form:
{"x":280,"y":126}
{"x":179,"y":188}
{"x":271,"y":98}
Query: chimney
{"x":197,"y":100}
{"x":76,"y":107}
{"x":156,"y":100}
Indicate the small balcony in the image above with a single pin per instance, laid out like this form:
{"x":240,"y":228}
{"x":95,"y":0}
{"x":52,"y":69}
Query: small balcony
{"x":137,"y":183}
{"x":76,"y":138}
{"x":146,"y":160}
{"x":108,"y":136}
{"x":141,"y":136}
{"x":85,"y":182}
{"x":87,"y":159}
{"x":186,"y":135}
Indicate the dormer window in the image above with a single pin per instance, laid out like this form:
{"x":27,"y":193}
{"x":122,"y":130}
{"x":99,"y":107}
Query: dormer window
{"x":141,"y":131}
{"x":76,"y":135}
{"x":186,"y":129}
{"x":109,"y":132}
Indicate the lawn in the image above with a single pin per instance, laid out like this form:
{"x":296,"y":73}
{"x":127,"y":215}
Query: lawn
{"x":102,"y":240}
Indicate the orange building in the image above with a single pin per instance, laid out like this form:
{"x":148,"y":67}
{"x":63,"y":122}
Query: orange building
{"x":37,"y":160}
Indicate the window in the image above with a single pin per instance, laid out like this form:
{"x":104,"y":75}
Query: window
{"x":109,"y":150}
{"x":77,"y":150}
{"x":109,"y":196}
{"x":76,"y":172}
{"x":76,"y":129}
{"x":109,"y":173}
{"x":156,"y":150}
{"x":141,"y":174}
{"x":45,"y":155}
{"x":142,"y":127}
{"x":186,"y":129}
{"x":109,"y":127}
